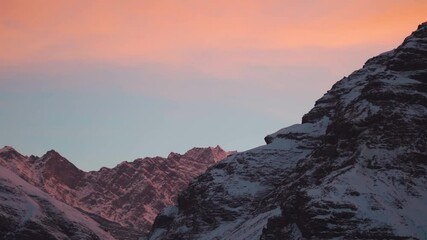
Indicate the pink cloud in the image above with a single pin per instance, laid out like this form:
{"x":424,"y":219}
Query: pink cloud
{"x":184,"y":50}
{"x":165,"y":31}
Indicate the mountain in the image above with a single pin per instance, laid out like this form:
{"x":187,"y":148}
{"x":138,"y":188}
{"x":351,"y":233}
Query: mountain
{"x":356,"y":167}
{"x":29,"y":213}
{"x":124,"y":199}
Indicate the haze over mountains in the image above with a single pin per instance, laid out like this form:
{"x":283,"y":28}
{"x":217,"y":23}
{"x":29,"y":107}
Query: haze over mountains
{"x":355,"y":168}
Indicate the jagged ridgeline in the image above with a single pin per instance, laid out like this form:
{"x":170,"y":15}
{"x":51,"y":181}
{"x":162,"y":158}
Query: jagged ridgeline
{"x":49,"y":198}
{"x":356,"y":167}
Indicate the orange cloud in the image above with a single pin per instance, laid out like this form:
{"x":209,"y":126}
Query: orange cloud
{"x":221,"y":39}
{"x":170,"y":30}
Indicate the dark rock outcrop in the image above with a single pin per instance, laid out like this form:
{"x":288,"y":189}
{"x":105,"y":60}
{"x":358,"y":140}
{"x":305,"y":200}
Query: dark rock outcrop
{"x":356,"y":168}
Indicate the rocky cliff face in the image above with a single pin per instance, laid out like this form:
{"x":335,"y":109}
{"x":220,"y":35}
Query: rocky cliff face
{"x":124,"y":199}
{"x":356,"y":167}
{"x":134,"y":193}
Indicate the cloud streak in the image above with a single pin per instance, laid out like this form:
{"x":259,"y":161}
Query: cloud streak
{"x":172,"y":31}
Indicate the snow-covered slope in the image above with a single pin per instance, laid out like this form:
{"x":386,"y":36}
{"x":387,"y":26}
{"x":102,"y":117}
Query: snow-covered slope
{"x":124,"y":199}
{"x":356,"y":167}
{"x":29,"y":213}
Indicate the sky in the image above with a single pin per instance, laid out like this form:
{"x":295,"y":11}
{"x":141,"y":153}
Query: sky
{"x":106,"y":81}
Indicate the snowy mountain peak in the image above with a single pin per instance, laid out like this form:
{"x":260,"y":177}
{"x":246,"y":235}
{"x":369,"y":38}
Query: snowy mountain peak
{"x":29,"y":213}
{"x":174,"y":155}
{"x":355,"y":168}
{"x":9,"y":153}
{"x":13,"y":160}
{"x":52,"y":154}
{"x":6,"y":149}
{"x":217,"y":148}
{"x":214,"y":154}
{"x":422,"y":26}
{"x":125,"y":199}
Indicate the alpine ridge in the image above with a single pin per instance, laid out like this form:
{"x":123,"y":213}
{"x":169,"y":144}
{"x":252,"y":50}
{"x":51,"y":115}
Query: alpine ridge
{"x":355,"y":168}
{"x":29,"y":213}
{"x":123,"y":200}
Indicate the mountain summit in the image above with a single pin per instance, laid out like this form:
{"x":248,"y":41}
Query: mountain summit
{"x":356,"y":167}
{"x":124,"y":199}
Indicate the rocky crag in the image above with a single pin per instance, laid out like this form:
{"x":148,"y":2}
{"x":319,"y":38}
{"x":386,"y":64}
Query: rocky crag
{"x":123,"y":200}
{"x":355,"y":168}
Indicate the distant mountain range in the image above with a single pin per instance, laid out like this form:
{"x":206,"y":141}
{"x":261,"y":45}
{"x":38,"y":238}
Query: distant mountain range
{"x":355,"y":168}
{"x":41,"y":196}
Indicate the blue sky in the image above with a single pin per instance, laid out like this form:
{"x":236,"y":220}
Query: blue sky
{"x":107,"y":82}
{"x":102,"y":125}
{"x":90,"y":116}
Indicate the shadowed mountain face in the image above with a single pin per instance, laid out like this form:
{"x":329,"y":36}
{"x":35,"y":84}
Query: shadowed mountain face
{"x":356,"y":167}
{"x":124,"y":199}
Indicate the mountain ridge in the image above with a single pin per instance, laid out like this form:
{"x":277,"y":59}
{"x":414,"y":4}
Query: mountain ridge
{"x":29,"y":213}
{"x":129,"y":194}
{"x":354,"y":168}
